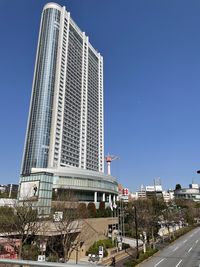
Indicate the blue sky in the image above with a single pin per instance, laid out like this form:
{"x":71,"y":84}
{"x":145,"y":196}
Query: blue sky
{"x":151,"y":53}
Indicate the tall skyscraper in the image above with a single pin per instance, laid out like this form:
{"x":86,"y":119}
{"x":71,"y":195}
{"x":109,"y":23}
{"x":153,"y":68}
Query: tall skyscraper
{"x":64,"y":146}
{"x":65,"y":124}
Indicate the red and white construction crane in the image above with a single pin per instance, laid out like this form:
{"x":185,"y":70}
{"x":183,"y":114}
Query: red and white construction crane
{"x":109,"y":159}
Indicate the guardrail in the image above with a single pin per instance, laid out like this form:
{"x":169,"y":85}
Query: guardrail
{"x":37,"y":263}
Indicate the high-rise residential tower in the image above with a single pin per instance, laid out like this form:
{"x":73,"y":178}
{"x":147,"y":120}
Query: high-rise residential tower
{"x":66,"y":113}
{"x":65,"y":131}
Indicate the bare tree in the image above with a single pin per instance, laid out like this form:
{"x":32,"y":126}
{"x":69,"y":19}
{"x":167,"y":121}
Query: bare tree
{"x":68,"y":223}
{"x":20,"y":221}
{"x":148,"y":212}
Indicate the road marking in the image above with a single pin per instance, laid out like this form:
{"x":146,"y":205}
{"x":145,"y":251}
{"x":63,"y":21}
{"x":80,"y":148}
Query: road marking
{"x":196,"y":241}
{"x":158,"y":262}
{"x":175,"y":249}
{"x":185,"y":241}
{"x":189,"y":249}
{"x":179,"y":263}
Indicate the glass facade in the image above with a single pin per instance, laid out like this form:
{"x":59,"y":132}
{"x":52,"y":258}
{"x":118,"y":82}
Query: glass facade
{"x":77,"y":195}
{"x":39,"y":126}
{"x":44,"y":199}
{"x":50,"y":186}
{"x":85,"y":183}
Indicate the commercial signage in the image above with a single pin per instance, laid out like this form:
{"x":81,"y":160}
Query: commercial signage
{"x":125,"y":192}
{"x":124,"y":197}
{"x":153,"y":188}
{"x":29,"y":190}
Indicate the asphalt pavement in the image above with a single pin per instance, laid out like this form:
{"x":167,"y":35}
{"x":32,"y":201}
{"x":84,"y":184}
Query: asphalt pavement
{"x":184,"y":252}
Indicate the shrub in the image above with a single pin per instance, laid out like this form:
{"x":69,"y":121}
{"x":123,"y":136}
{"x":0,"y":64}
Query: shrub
{"x":94,"y":249}
{"x":142,"y":257}
{"x":82,"y":210}
{"x":30,"y":252}
{"x":108,"y":212}
{"x":52,"y":258}
{"x":102,"y":210}
{"x":91,"y":210}
{"x":107,"y":242}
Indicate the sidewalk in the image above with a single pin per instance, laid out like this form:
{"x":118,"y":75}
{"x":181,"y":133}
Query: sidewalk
{"x":118,"y":256}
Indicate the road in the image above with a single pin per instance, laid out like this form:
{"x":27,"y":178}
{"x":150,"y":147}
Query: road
{"x":184,"y":252}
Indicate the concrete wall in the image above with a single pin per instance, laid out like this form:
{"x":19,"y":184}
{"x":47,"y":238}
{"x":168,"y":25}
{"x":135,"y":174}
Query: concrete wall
{"x":93,"y":229}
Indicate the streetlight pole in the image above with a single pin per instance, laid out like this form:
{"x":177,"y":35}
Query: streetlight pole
{"x":76,"y":255}
{"x":136,"y":231}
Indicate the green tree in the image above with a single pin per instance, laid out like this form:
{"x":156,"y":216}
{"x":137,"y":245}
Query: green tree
{"x":82,"y":209}
{"x":102,"y":209}
{"x":22,"y":220}
{"x":148,"y":213}
{"x":92,"y":212}
{"x":178,"y":187}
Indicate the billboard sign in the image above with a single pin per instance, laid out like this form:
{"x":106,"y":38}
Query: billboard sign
{"x":29,"y":190}
{"x":152,"y":188}
{"x":125,"y":192}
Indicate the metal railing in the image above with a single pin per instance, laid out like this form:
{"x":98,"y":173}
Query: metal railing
{"x":37,"y":263}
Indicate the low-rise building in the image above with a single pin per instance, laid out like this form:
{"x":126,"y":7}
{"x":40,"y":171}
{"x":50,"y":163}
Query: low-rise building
{"x":141,"y":194}
{"x":154,"y":191}
{"x":191,"y":193}
{"x":168,"y":195}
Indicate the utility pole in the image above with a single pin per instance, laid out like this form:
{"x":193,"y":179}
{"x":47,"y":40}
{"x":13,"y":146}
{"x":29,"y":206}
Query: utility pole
{"x":76,"y":255}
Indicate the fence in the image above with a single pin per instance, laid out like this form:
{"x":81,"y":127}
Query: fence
{"x":21,"y":263}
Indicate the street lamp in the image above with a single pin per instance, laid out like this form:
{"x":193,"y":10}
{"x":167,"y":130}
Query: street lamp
{"x":136,"y":230}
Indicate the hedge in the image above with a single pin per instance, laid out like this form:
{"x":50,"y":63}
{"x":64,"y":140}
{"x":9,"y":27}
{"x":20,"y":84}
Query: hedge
{"x":94,"y":249}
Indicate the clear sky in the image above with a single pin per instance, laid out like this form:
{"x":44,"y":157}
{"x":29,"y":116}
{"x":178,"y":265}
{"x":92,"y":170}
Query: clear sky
{"x":151,"y":51}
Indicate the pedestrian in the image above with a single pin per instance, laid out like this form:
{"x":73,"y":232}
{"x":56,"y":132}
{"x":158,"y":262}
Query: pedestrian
{"x":113,"y":261}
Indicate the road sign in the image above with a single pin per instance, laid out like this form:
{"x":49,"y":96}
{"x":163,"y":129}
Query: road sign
{"x":41,"y":257}
{"x":58,"y":216}
{"x":100,"y":251}
{"x":43,"y":246}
